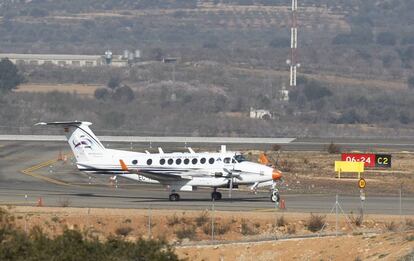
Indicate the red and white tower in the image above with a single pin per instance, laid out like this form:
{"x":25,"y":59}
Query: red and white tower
{"x":293,"y":62}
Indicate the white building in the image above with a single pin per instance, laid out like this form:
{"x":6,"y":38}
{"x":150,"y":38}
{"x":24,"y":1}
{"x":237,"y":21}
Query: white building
{"x":63,"y":59}
{"x":260,"y":114}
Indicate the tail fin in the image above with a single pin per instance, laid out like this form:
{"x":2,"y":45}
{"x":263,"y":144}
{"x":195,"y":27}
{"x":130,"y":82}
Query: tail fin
{"x":84,"y":144}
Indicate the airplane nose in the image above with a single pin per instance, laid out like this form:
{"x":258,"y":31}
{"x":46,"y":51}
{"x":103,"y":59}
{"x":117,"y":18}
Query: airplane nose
{"x":276,"y":174}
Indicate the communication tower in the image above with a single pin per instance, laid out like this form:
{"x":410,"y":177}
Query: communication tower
{"x":293,"y":62}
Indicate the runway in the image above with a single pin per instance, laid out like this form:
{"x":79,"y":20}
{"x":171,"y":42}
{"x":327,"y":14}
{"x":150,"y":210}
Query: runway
{"x":30,"y":168}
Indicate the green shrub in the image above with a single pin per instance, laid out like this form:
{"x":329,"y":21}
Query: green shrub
{"x":123,"y":231}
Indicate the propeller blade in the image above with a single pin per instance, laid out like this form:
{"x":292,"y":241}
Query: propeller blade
{"x":231,"y":186}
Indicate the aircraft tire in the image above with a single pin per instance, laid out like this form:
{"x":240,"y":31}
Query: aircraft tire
{"x":174,"y":197}
{"x":216,"y":195}
{"x":275,"y":197}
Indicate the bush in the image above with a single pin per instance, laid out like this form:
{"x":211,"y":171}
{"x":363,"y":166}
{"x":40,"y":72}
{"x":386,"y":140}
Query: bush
{"x":174,"y":220}
{"x":246,"y":229}
{"x":390,"y":226}
{"x":101,"y":94}
{"x":356,"y":220}
{"x":291,"y":229}
{"x":409,"y":223}
{"x":114,"y":82}
{"x":276,"y":147}
{"x":410,"y":82}
{"x":281,"y":221}
{"x":219,"y":229}
{"x":386,"y":38}
{"x":73,"y":245}
{"x":186,"y":232}
{"x":333,"y":148}
{"x":202,"y":218}
{"x":315,"y":223}
{"x":124,"y":94}
{"x":123,"y":231}
{"x":280,"y":42}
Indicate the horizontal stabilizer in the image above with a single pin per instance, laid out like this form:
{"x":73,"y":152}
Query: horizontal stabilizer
{"x":65,"y":123}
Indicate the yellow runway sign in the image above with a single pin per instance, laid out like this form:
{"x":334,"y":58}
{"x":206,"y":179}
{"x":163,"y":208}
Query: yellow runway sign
{"x":349,"y":166}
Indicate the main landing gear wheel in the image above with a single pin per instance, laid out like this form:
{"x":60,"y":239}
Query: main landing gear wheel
{"x":275,"y":197}
{"x":216,"y":195}
{"x":174,"y":197}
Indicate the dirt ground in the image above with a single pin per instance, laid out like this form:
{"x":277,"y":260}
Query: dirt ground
{"x":388,"y":246}
{"x":377,"y":236}
{"x":81,"y":89}
{"x":313,"y":172}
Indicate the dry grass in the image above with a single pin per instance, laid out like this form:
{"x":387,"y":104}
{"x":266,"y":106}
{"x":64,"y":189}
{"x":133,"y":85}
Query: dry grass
{"x":81,"y":89}
{"x":391,"y":226}
{"x":315,"y":222}
{"x":356,"y":219}
{"x":281,"y":221}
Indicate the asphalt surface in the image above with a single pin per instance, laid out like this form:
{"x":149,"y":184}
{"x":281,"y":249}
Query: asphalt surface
{"x":29,"y":171}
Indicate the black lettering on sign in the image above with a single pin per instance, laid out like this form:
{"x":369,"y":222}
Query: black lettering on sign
{"x":383,"y":161}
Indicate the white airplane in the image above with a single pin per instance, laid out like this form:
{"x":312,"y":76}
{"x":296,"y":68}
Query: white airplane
{"x":176,"y":171}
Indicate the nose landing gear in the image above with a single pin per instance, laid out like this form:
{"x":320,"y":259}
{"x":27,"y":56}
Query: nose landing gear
{"x":275,"y":196}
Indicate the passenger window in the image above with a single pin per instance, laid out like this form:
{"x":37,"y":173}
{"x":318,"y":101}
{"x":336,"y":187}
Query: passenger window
{"x":194,"y":161}
{"x":149,"y":161}
{"x":186,"y":161}
{"x":203,"y":160}
{"x":162,"y":161}
{"x":226,"y":160}
{"x":178,"y":161}
{"x":135,"y":162}
{"x":211,"y":160}
{"x":170,"y":161}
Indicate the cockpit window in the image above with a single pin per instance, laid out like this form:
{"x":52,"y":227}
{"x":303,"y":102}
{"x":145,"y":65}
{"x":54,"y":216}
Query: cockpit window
{"x":226,"y":160}
{"x":239,"y":158}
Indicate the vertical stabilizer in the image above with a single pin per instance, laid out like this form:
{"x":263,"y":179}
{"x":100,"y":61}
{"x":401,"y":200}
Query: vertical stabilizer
{"x":83,"y":142}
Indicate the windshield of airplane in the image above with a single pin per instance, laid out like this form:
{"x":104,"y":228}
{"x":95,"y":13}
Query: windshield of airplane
{"x":240,"y":158}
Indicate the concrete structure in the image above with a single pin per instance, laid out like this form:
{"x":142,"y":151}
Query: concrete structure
{"x":64,"y":59}
{"x":260,"y":114}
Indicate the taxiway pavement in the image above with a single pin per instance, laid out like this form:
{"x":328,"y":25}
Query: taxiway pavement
{"x":30,"y":169}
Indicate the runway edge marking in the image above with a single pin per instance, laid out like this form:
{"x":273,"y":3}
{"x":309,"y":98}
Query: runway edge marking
{"x":29,"y":172}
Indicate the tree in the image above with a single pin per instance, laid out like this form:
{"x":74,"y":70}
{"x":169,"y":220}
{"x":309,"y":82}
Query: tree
{"x":280,"y":42}
{"x":101,"y":94}
{"x":10,"y":77}
{"x":410,"y":82}
{"x":124,"y":94}
{"x":386,"y":38}
{"x":114,"y":82}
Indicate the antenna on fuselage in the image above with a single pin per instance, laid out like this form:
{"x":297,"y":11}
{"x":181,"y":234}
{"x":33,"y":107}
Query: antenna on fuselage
{"x":160,"y":150}
{"x":223,"y":149}
{"x":191,"y":150}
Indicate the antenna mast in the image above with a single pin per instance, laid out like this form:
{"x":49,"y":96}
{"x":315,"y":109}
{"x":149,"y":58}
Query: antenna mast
{"x":293,"y":44}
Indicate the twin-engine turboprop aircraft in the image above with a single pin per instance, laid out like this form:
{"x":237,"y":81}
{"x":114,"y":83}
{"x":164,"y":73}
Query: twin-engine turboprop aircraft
{"x":176,"y":171}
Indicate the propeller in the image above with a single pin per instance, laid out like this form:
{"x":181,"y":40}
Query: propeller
{"x":231,"y":174}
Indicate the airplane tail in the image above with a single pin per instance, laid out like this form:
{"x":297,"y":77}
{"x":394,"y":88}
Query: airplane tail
{"x":83,"y":142}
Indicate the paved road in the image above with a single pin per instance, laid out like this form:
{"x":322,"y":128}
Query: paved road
{"x":72,"y":187}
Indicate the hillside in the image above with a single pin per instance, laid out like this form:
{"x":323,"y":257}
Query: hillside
{"x":356,"y":58}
